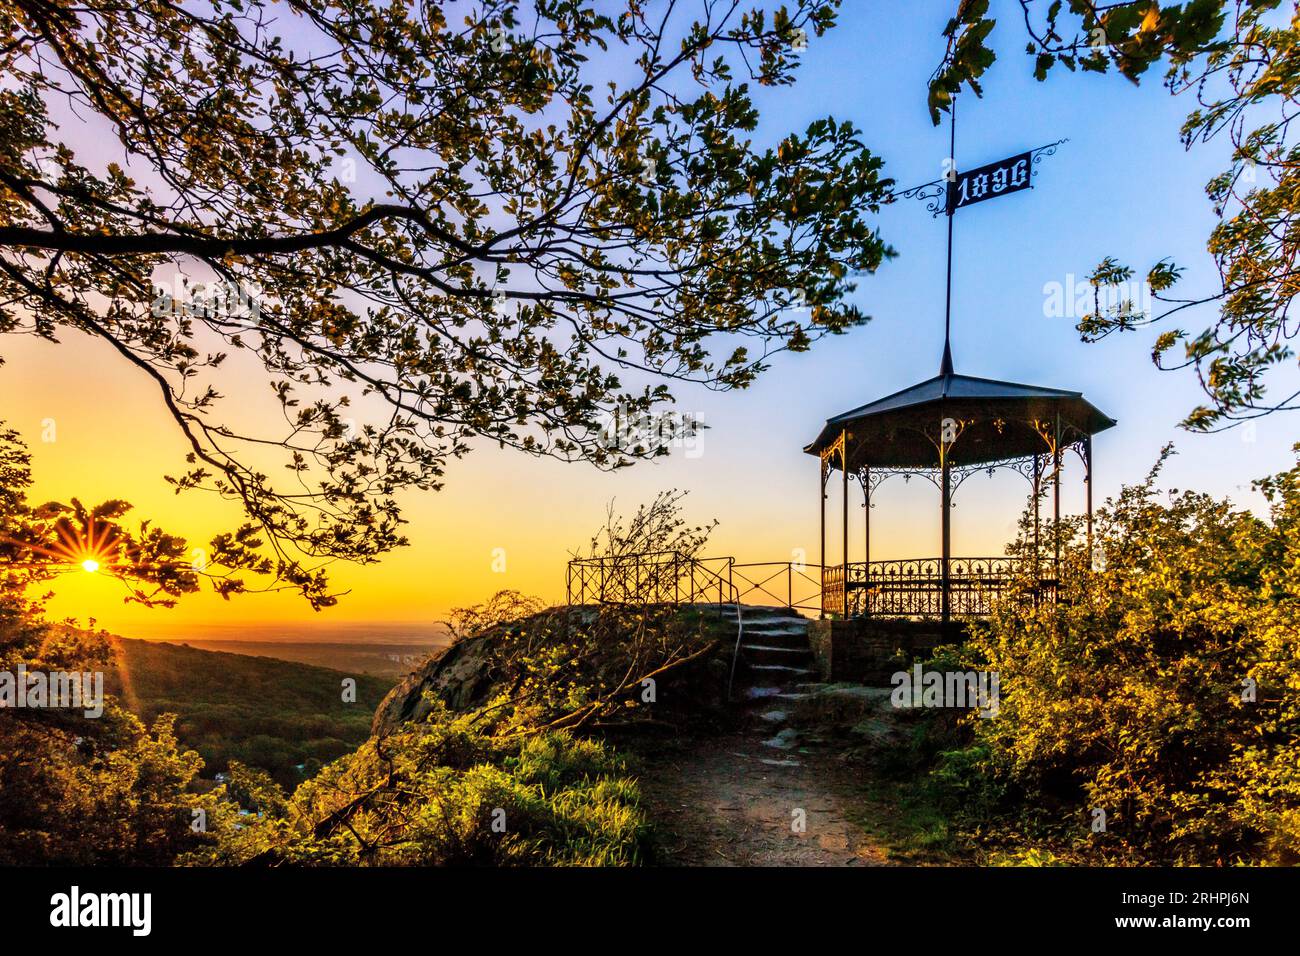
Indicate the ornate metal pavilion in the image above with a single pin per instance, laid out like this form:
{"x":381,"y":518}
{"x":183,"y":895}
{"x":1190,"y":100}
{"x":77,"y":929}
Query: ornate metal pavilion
{"x":946,"y":429}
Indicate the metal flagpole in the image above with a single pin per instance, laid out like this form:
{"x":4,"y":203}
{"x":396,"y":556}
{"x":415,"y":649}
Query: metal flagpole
{"x":946,"y":366}
{"x":945,"y":369}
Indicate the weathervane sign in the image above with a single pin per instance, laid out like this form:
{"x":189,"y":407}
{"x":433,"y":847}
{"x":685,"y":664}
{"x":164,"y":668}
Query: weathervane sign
{"x":986,"y":182}
{"x":958,"y":189}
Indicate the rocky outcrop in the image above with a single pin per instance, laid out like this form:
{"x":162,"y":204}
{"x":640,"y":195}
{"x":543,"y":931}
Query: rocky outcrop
{"x":687,"y":650}
{"x":460,"y":675}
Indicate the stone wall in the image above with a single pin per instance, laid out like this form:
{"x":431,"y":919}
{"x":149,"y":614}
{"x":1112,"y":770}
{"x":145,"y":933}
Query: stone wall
{"x":868,"y":651}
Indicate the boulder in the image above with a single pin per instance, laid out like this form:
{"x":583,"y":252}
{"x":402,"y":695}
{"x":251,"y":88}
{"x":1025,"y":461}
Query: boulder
{"x":460,"y":675}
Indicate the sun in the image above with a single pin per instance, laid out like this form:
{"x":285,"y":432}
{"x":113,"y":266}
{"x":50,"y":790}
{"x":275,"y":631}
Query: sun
{"x":83,"y":541}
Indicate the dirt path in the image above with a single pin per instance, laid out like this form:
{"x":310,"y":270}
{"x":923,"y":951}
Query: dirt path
{"x":731,"y":801}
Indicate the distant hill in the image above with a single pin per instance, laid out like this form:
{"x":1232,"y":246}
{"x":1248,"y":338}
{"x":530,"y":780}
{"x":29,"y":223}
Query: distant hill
{"x":306,"y":630}
{"x":287,"y":718}
{"x":382,"y":660}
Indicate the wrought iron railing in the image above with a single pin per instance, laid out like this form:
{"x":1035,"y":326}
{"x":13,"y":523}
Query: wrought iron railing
{"x":914,"y":587}
{"x":834,"y":594}
{"x":661,"y":577}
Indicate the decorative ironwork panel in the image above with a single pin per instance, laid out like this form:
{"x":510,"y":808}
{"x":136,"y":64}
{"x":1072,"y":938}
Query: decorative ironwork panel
{"x":833,"y":590}
{"x":933,"y":194}
{"x":913,"y":588}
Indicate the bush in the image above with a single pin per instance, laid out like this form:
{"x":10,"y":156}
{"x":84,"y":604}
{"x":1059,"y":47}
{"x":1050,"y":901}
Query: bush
{"x":1161,"y":688}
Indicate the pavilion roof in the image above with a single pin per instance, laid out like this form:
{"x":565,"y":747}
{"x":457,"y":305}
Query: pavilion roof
{"x":998,"y":422}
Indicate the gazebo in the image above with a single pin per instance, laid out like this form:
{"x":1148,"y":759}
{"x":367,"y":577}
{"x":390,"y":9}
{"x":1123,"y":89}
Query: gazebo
{"x":945,"y":429}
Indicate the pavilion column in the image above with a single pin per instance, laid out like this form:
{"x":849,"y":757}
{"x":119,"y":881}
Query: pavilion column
{"x":844,"y":564}
{"x":945,"y":583}
{"x":1038,"y":493}
{"x":1087,"y":479}
{"x":865,"y":475}
{"x":1056,"y":500}
{"x":821,"y":508}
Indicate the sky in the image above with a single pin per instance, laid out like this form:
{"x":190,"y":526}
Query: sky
{"x":1122,"y":186}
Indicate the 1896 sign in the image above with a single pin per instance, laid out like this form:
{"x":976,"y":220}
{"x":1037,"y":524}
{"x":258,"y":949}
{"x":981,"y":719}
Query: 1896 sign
{"x":986,"y":182}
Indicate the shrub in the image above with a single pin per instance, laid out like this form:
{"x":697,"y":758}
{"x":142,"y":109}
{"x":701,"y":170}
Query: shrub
{"x":1160,"y":689}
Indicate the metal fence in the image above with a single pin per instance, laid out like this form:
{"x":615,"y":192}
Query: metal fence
{"x":660,"y":577}
{"x":910,"y":588}
{"x":780,"y":583}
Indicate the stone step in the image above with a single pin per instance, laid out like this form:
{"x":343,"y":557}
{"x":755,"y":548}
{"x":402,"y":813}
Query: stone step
{"x":751,"y":612}
{"x":783,"y":628}
{"x":757,"y":613}
{"x":786,"y":739}
{"x":772,"y":624}
{"x":783,"y":670}
{"x":774,"y":693}
{"x":794,"y":642}
{"x":772,"y":654}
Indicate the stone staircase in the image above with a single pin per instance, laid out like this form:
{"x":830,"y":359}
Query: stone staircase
{"x":774,"y":670}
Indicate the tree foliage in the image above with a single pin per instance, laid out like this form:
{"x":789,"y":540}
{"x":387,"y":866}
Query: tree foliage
{"x":81,"y":791}
{"x":650,"y":556}
{"x":423,"y":225}
{"x":502,"y":608}
{"x":502,"y":780}
{"x":77,"y":789}
{"x":1238,"y":61}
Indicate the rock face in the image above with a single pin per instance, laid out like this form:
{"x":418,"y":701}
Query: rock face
{"x":461,"y":676}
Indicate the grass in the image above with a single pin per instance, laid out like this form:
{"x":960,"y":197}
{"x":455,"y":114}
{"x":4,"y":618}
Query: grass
{"x":903,"y":816}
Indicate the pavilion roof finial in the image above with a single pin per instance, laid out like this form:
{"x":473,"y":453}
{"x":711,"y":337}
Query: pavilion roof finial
{"x":945,"y":367}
